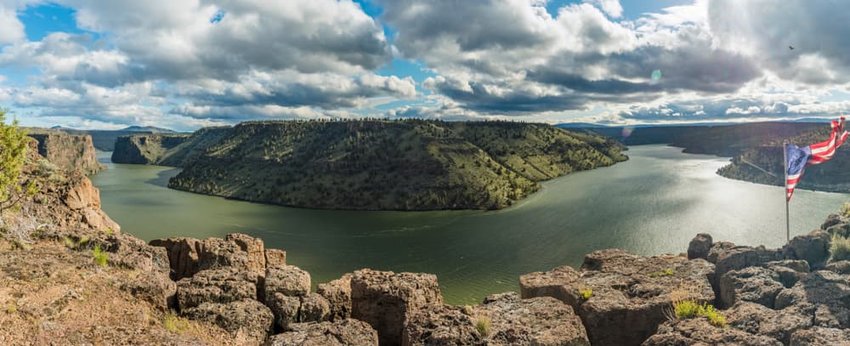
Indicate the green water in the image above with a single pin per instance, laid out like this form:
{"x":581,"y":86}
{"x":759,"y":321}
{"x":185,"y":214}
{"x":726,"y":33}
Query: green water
{"x":653,"y":203}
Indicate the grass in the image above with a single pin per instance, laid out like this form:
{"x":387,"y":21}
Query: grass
{"x":100,"y":257}
{"x":665,"y":272}
{"x":483,"y":325}
{"x":839,"y":248}
{"x":845,"y":209}
{"x":585,"y":293}
{"x":174,"y":323}
{"x":686,"y":309}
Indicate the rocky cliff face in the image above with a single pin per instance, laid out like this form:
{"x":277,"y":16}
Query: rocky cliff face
{"x":68,"y":152}
{"x":145,"y":149}
{"x":380,"y":165}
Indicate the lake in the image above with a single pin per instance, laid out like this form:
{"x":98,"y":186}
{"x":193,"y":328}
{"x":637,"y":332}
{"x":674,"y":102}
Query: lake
{"x":654,"y":203}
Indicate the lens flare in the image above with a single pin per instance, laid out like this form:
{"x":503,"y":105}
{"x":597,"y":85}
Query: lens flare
{"x":656,"y":75}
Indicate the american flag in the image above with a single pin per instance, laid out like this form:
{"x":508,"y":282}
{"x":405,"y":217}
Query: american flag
{"x":798,"y":158}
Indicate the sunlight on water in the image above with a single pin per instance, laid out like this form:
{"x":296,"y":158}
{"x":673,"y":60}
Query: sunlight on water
{"x":653,"y":203}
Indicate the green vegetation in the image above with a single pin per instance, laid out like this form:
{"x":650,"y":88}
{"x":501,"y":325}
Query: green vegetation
{"x":688,"y":308}
{"x":382,"y":164}
{"x":665,"y":272}
{"x":839,"y":248}
{"x":585,"y":293}
{"x":483,"y":325}
{"x":13,"y":155}
{"x":174,"y":323}
{"x":100,"y":257}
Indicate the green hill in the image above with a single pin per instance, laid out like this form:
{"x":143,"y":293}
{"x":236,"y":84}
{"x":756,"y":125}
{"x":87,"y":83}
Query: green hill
{"x":381,"y":165}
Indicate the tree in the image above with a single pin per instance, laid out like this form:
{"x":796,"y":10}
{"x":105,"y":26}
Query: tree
{"x":13,"y":154}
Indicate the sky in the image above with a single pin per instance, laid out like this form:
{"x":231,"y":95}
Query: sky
{"x":185,"y":64}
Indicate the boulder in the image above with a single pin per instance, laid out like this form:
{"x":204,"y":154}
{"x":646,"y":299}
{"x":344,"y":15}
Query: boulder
{"x":754,"y":284}
{"x":443,"y":325}
{"x":812,"y":248}
{"x":827,"y":291}
{"x":820,"y":336}
{"x":698,"y":331}
{"x":153,"y":287}
{"x":182,"y":255}
{"x":543,"y":321}
{"x":789,"y":271}
{"x":246,"y":319}
{"x":553,"y":283}
{"x":840,"y":267}
{"x":284,"y":308}
{"x":217,"y":253}
{"x":386,"y":300}
{"x":700,"y":246}
{"x":253,"y":248}
{"x":338,"y":294}
{"x":288,"y":280}
{"x":760,"y":320}
{"x":840,"y":229}
{"x":345,"y":332}
{"x":216,"y":286}
{"x":622,"y":297}
{"x":741,"y":257}
{"x":314,"y":308}
{"x":717,"y":249}
{"x":275,"y":258}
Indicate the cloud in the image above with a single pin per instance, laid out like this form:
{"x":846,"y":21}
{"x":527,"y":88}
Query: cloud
{"x":610,"y":7}
{"x":11,"y":29}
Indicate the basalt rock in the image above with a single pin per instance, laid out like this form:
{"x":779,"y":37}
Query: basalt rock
{"x":314,"y":308}
{"x":338,"y":294}
{"x":555,"y":283}
{"x":287,"y":280}
{"x":820,"y":336}
{"x":840,"y":267}
{"x":155,"y":288}
{"x":386,"y":300}
{"x":245,"y":319}
{"x":346,"y":332}
{"x":284,"y":308}
{"x":777,"y":324}
{"x":753,"y":284}
{"x":700,"y":246}
{"x":443,"y":325}
{"x":740,"y":257}
{"x":832,"y":220}
{"x":812,"y":248}
{"x":253,"y":248}
{"x":541,"y":321}
{"x":223,"y":285}
{"x":789,"y":271}
{"x":827,"y":291}
{"x":622,"y":297}
{"x":188,"y":256}
{"x":275,"y":258}
{"x":718,"y":248}
{"x":698,"y":331}
{"x":182,"y":255}
{"x":68,"y":152}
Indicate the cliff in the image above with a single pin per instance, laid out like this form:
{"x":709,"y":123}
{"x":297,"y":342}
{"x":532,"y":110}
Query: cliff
{"x":144,"y":149}
{"x":68,"y":152}
{"x":378,"y":165}
{"x":751,"y":164}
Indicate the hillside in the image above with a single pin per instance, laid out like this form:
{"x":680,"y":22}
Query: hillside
{"x":721,"y":140}
{"x":833,"y":176}
{"x":104,"y":140}
{"x":380,"y":165}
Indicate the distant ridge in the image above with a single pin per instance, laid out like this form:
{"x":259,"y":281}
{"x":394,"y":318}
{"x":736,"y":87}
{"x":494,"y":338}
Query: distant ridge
{"x":148,"y":129}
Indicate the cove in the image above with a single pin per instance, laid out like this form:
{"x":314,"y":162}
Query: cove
{"x":654,"y":203}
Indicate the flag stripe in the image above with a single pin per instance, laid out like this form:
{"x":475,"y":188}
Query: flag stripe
{"x":814,"y":154}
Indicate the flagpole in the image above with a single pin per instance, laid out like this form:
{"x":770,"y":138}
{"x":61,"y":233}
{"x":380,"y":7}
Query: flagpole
{"x":785,"y":184}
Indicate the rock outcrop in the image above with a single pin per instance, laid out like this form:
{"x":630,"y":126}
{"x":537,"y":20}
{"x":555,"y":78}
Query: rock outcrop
{"x":145,"y":149}
{"x":345,"y":332}
{"x":622,"y":297}
{"x":68,"y":152}
{"x":386,"y":300}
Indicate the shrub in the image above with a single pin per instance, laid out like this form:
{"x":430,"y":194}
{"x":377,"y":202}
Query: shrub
{"x":100,"y":257}
{"x":686,"y":309}
{"x":585,"y":293}
{"x":483,"y":325}
{"x":839,"y":248}
{"x":13,"y":154}
{"x":174,"y":323}
{"x":845,"y":210}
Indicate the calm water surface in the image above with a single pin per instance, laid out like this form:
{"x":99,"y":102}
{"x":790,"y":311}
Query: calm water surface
{"x":654,"y":203}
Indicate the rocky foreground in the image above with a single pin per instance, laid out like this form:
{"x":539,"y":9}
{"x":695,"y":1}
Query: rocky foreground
{"x":74,"y":278}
